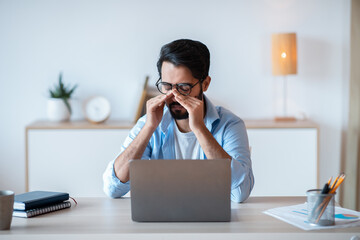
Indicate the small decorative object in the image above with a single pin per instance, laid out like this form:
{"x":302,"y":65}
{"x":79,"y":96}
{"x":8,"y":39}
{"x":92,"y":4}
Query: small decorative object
{"x":97,"y":109}
{"x":142,"y":103}
{"x":284,"y":60}
{"x":147,"y":93}
{"x":59,"y":104}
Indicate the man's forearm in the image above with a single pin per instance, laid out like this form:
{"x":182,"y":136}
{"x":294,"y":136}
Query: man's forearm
{"x":210,"y":146}
{"x":134,"y":151}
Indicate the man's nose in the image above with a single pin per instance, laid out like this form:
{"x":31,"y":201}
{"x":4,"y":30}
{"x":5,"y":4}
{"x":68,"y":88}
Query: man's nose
{"x":174,"y":91}
{"x":173,"y":94}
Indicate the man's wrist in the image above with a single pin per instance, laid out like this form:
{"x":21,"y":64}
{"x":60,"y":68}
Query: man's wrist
{"x":200,"y":129}
{"x":149,"y":127}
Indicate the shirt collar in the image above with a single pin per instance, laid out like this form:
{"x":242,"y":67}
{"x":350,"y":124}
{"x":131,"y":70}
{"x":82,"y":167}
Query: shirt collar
{"x":210,"y":117}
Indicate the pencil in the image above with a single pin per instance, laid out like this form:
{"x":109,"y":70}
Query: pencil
{"x":329,"y":181}
{"x":323,"y":209}
{"x":341,"y":179}
{"x":336,"y":179}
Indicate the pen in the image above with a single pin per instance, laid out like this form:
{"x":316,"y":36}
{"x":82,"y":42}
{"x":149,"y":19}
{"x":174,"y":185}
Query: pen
{"x":326,"y":189}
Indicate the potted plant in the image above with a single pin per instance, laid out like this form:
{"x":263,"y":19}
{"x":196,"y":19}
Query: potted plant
{"x":59,"y":104}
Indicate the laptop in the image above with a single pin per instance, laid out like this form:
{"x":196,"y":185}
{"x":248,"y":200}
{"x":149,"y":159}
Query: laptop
{"x":180,"y":190}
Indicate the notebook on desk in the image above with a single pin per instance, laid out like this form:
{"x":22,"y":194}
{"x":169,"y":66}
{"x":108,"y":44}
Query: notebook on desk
{"x":36,"y":199}
{"x":180,"y":190}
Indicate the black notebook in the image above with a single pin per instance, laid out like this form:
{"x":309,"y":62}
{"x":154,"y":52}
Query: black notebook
{"x":38,"y":211}
{"x":36,"y":199}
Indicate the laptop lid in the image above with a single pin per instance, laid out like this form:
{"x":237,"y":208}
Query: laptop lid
{"x":180,"y":190}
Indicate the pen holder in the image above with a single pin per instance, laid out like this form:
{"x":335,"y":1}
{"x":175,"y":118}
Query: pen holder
{"x":321,"y":209}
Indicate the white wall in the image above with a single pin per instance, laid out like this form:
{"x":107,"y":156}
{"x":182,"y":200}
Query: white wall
{"x":107,"y":48}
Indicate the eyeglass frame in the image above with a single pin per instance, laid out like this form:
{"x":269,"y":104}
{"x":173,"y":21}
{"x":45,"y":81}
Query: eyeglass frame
{"x":177,"y":86}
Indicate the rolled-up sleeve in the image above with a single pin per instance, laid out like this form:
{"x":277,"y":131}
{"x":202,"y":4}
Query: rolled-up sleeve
{"x":236,"y":144}
{"x":113,"y":187}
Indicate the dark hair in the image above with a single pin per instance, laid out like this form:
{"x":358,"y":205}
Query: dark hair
{"x":189,"y":53}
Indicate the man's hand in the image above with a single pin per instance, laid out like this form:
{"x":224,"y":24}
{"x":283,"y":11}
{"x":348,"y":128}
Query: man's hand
{"x":208,"y":143}
{"x":154,"y":110}
{"x":195,"y":108}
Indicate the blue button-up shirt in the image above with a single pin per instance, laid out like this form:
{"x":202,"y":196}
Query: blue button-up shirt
{"x":228,"y":130}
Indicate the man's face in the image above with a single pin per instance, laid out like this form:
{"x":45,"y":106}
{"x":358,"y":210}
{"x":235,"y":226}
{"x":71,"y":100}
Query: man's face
{"x":179,"y":74}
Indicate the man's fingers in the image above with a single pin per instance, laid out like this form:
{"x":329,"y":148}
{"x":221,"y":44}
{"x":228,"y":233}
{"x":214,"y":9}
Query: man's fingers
{"x":179,"y":98}
{"x":186,"y":100}
{"x":158,"y":100}
{"x":161,"y":104}
{"x":193,"y":100}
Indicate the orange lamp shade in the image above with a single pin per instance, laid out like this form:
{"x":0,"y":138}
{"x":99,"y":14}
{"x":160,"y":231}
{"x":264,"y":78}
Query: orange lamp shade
{"x":284,"y":56}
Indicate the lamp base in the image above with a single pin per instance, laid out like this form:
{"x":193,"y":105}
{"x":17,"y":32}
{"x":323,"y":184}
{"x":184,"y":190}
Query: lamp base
{"x":285,"y":119}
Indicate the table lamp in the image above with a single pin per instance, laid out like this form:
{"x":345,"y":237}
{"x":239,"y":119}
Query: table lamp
{"x":284,"y":62}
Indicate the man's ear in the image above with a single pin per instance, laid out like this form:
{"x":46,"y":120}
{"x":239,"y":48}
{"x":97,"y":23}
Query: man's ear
{"x":206,"y":83}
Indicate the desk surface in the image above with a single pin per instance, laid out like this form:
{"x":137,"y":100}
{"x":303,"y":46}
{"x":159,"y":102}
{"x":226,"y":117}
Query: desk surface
{"x":103,"y":218}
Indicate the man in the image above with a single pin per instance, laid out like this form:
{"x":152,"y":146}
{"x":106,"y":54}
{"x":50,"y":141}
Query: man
{"x":183,"y":124}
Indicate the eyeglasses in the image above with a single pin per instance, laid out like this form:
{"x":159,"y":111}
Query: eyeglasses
{"x":182,"y":88}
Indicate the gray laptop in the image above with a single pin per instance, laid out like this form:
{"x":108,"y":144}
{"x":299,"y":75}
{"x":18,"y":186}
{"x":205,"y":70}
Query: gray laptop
{"x":180,"y":190}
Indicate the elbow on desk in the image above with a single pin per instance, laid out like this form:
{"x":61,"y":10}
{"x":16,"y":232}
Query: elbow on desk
{"x":239,"y":198}
{"x":111,"y":193}
{"x":115,"y":190}
{"x":112,"y":186}
{"x":240,"y":195}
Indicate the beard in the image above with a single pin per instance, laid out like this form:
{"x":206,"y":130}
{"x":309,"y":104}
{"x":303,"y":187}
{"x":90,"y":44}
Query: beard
{"x":178,"y":112}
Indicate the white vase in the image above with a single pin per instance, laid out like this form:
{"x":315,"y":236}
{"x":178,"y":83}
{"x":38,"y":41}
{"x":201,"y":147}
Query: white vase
{"x":57,"y":110}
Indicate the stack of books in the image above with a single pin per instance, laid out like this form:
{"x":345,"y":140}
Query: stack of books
{"x":35,"y":203}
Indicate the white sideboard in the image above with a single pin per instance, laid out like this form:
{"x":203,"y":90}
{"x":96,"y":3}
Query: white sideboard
{"x":284,"y":157}
{"x":72,"y":156}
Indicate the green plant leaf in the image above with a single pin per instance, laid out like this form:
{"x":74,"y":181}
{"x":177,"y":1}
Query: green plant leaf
{"x":67,"y":104}
{"x":72,"y":90}
{"x":61,"y":91}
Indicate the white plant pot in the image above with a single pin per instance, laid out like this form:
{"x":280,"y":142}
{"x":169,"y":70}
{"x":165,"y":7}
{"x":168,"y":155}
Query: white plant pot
{"x":57,"y":110}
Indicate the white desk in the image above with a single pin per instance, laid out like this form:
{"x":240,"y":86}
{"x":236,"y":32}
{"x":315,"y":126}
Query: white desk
{"x":103,"y":218}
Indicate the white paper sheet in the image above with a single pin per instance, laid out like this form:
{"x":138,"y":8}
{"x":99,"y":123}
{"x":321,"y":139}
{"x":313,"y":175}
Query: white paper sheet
{"x":297,"y":216}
